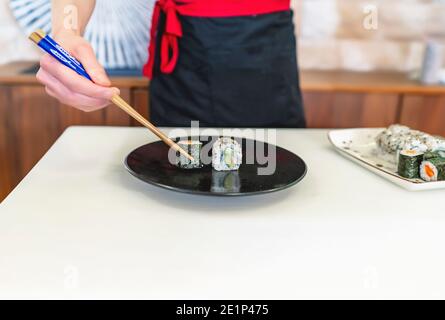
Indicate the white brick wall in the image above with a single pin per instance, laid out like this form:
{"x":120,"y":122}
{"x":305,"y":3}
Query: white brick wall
{"x":331,"y":34}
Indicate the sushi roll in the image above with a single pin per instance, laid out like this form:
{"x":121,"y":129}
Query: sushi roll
{"x":389,"y":140}
{"x":226,"y":155}
{"x":433,"y":169}
{"x":434,"y":154}
{"x":193,"y":148}
{"x":409,"y":163}
{"x":397,"y":138}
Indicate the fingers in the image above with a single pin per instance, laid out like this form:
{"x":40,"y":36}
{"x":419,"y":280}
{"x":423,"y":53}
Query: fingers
{"x":75,"y":82}
{"x":85,"y":54}
{"x":57,"y":90}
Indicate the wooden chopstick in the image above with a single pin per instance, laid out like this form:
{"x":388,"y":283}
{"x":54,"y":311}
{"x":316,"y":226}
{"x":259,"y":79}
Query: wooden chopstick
{"x":121,"y":103}
{"x":38,"y":36}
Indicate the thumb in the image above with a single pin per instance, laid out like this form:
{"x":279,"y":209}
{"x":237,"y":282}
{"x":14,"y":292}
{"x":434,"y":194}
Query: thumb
{"x":86,"y":56}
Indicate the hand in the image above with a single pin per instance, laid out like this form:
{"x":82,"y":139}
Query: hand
{"x":70,"y":88}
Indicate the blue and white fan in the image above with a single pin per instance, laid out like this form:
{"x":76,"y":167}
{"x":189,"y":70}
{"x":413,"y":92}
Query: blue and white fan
{"x":119,"y":30}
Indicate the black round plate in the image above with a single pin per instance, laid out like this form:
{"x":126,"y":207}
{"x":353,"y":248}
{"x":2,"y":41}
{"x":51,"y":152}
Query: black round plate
{"x":150,"y":163}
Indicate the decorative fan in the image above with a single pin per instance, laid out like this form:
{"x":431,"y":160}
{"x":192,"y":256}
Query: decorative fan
{"x":118,"y":29}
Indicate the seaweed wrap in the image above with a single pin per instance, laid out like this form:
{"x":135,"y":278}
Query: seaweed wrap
{"x":193,"y":148}
{"x":434,"y":154}
{"x":409,"y":163}
{"x":226,"y":155}
{"x":433,"y":169}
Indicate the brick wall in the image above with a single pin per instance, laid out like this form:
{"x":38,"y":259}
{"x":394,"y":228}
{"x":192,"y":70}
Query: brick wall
{"x":331,"y":34}
{"x":336,"y":34}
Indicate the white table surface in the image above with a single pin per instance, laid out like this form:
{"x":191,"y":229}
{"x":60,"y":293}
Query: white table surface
{"x":80,"y":226}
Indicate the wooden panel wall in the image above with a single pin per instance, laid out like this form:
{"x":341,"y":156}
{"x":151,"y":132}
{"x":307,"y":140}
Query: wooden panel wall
{"x":346,"y":110}
{"x":6,"y":149}
{"x":426,"y":113}
{"x":31,"y":121}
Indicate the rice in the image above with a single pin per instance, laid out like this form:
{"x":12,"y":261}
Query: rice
{"x":433,"y":170}
{"x":226,"y":155}
{"x":193,"y":148}
{"x":397,"y":138}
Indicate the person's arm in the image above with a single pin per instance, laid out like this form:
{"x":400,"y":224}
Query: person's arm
{"x":79,"y":12}
{"x":69,"y":19}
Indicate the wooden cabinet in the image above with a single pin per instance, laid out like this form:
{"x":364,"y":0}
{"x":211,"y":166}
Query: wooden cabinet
{"x":27,"y":131}
{"x":426,"y":113}
{"x":346,"y":110}
{"x":339,"y":99}
{"x":31,"y":121}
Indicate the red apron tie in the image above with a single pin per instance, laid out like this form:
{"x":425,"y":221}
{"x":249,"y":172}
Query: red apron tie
{"x":169,"y":41}
{"x":197,"y":8}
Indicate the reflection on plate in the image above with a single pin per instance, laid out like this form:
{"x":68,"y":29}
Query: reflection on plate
{"x":228,"y":181}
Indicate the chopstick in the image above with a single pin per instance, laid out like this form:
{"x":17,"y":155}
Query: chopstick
{"x":121,"y":103}
{"x":50,"y":46}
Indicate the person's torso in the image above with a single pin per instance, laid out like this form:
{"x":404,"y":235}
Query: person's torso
{"x":234,"y":70}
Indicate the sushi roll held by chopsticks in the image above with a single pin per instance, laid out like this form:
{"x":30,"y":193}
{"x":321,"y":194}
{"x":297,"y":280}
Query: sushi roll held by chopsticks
{"x":193,"y":148}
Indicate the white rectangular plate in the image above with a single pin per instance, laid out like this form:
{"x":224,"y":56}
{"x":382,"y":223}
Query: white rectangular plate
{"x":359,"y":145}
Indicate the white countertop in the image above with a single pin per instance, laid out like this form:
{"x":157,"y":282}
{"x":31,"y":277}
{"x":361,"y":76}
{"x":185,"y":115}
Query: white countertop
{"x":80,"y":226}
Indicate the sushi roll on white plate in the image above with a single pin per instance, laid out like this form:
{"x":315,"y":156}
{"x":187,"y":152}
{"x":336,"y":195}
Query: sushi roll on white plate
{"x":397,"y":138}
{"x":433,"y":169}
{"x":409,"y":163}
{"x":226,"y":155}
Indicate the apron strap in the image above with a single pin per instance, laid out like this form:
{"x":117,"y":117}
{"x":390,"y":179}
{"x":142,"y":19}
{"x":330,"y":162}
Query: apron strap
{"x":169,"y":40}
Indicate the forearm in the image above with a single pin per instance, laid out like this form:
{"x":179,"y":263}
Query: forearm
{"x":71,"y":16}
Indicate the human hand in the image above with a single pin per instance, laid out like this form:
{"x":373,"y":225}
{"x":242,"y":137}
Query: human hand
{"x":69,"y":87}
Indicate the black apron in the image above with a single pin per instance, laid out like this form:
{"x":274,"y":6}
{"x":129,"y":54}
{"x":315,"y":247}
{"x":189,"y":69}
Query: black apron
{"x":231,"y":72}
